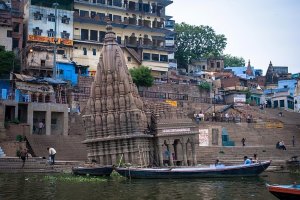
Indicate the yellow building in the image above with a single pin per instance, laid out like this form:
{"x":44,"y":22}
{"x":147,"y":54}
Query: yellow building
{"x":139,"y":27}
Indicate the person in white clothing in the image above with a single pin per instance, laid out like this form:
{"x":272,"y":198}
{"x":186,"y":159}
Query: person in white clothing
{"x":52,"y":153}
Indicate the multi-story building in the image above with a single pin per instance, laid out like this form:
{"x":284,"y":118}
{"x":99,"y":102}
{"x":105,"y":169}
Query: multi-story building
{"x":41,"y":23}
{"x":140,"y":28}
{"x":5,"y":27}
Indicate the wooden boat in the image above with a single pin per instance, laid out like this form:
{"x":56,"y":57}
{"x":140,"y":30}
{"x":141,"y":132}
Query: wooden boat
{"x":286,"y":192}
{"x":194,"y":172}
{"x":93,"y":170}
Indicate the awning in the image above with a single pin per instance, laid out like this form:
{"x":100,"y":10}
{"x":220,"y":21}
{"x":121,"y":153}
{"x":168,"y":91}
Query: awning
{"x":41,"y":88}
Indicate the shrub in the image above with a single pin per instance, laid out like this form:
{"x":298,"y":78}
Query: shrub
{"x":15,"y":121}
{"x":18,"y":153}
{"x":19,"y":138}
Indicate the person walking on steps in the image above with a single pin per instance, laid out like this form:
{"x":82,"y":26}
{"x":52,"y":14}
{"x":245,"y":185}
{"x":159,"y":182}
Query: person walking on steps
{"x":52,"y":153}
{"x":243,"y":141}
{"x":23,"y":156}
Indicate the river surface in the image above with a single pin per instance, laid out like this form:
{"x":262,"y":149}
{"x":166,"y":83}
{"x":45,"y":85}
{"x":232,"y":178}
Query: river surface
{"x":65,"y":187}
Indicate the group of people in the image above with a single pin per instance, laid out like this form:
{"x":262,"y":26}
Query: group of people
{"x":280,"y":145}
{"x":248,"y":161}
{"x":24,"y":154}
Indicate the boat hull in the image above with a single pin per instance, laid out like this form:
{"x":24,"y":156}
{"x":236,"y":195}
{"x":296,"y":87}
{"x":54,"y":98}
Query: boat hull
{"x":194,"y":172}
{"x":285,"y":192}
{"x":93,"y":171}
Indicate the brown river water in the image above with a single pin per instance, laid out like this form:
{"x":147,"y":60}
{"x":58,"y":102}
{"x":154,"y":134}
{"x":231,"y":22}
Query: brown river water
{"x":65,"y":187}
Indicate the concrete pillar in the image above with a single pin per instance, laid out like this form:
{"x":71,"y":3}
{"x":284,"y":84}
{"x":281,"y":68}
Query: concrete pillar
{"x":48,"y":122}
{"x":185,"y":163}
{"x":194,"y":154}
{"x":160,"y":155}
{"x":170,"y":156}
{"x":16,"y":111}
{"x":30,"y":117}
{"x":66,"y":123}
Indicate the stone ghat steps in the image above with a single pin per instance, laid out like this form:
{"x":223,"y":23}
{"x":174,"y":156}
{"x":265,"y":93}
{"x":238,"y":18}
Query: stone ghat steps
{"x":68,"y":148}
{"x":76,"y":125}
{"x":208,"y":155}
{"x":14,"y":164}
{"x":260,"y":136}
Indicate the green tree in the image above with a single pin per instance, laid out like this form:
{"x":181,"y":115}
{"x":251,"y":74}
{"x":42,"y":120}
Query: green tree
{"x":205,"y":86}
{"x":233,"y":61}
{"x":8,"y":63}
{"x":195,"y":42}
{"x":141,"y":76}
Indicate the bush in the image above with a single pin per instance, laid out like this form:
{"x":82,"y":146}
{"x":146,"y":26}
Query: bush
{"x":15,"y":121}
{"x":19,"y":138}
{"x":205,"y":86}
{"x":18,"y":153}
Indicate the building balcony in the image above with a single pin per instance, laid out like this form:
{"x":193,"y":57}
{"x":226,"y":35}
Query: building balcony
{"x":126,"y":24}
{"x":127,"y":8}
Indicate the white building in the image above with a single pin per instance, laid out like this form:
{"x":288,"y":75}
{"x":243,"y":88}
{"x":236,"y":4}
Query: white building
{"x":297,"y":97}
{"x":40,"y":29}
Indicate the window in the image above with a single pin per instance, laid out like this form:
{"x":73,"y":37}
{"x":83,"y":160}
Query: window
{"x":84,"y":51}
{"x":218,"y":64}
{"x":51,"y":18}
{"x":50,"y":33}
{"x":65,"y":20}
{"x":37,"y":16}
{"x":83,"y":13}
{"x":9,"y":33}
{"x":94,"y":52}
{"x":101,"y":36}
{"x":119,"y":40}
{"x":163,"y":58}
{"x":94,"y":35}
{"x":65,"y":35}
{"x":60,"y":51}
{"x":212,"y":65}
{"x":43,"y":63}
{"x":84,"y":34}
{"x":37,"y":31}
{"x":155,"y":57}
{"x":146,"y":56}
{"x":101,"y":16}
{"x":93,"y":14}
{"x":129,"y":59}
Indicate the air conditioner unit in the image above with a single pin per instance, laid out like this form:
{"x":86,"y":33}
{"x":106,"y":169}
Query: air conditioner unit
{"x":64,"y":56}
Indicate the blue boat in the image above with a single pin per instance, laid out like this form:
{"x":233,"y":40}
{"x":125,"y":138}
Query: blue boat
{"x":93,"y":170}
{"x":285,"y":192}
{"x":194,"y":172}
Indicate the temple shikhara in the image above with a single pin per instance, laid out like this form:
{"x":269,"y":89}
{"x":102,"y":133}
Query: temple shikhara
{"x":119,"y":127}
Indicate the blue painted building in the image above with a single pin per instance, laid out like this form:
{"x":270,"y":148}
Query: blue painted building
{"x":70,"y":71}
{"x":242,"y":72}
{"x":4,"y":89}
{"x":290,"y":84}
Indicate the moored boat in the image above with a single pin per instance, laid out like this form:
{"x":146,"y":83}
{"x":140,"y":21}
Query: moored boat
{"x":194,"y":172}
{"x":93,"y":170}
{"x":286,"y":192}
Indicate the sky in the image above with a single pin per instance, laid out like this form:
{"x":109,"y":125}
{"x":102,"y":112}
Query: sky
{"x":257,"y":30}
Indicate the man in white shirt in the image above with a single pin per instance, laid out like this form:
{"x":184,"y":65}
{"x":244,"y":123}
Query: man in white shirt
{"x":52,"y":153}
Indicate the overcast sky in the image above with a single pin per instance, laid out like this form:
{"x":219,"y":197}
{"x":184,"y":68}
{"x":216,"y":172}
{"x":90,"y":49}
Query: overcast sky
{"x":259,"y":30}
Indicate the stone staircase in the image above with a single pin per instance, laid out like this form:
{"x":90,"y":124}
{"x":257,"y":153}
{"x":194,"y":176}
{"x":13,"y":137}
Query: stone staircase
{"x":69,"y":148}
{"x":260,"y":138}
{"x":234,"y":155}
{"x":34,"y":165}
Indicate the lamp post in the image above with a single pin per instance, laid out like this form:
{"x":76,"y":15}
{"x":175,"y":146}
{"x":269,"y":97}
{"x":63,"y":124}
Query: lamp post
{"x":55,"y":73}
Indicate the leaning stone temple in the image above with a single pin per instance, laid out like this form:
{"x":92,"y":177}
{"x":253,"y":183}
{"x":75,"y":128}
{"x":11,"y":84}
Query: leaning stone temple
{"x":115,"y":122}
{"x":120,"y":128}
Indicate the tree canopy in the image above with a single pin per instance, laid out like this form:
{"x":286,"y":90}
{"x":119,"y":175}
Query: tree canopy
{"x":141,"y":76}
{"x":8,"y":63}
{"x":233,"y":61}
{"x":195,"y":42}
